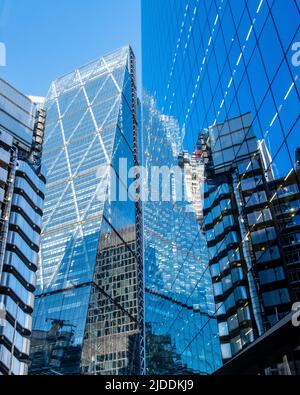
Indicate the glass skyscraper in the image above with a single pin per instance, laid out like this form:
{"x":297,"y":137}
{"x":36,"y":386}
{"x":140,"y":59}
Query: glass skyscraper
{"x":88,"y":317}
{"x":181,"y":333}
{"x":22,"y":187}
{"x":228,"y":73}
{"x":247,"y":215}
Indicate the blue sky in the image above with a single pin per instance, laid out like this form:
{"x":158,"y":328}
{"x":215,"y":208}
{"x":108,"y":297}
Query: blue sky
{"x":45,"y":39}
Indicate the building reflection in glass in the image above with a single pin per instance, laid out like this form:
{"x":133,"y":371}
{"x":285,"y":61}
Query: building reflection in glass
{"x":178,"y":298}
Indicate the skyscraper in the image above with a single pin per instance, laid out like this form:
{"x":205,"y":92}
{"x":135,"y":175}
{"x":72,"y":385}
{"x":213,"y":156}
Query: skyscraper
{"x":252,"y":225}
{"x":245,"y":220}
{"x":89,"y":302}
{"x":22,"y":186}
{"x":193,"y":168}
{"x":180,"y":336}
{"x":208,"y":64}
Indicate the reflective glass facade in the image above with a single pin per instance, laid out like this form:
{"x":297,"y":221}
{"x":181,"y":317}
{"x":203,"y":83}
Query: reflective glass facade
{"x":247,"y":263}
{"x":88,"y":304}
{"x":180,"y":336}
{"x":228,"y":71}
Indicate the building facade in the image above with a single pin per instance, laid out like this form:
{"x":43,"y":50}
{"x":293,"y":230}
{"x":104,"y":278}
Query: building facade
{"x":22,"y":187}
{"x":251,"y":225}
{"x":229,"y":70}
{"x":89,"y":302}
{"x":193,"y":168}
{"x":180,"y":336}
{"x":287,"y":206}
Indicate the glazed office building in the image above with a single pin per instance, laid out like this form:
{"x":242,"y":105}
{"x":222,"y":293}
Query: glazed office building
{"x":214,"y":63}
{"x":251,"y":222}
{"x":22,"y":186}
{"x":89,"y":301}
{"x":181,"y":331}
{"x":252,"y":226}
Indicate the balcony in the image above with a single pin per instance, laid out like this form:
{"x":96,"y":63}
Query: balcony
{"x":17,"y":241}
{"x":18,"y":368}
{"x":4,"y":156}
{"x":31,"y":236}
{"x":24,"y":320}
{"x":20,"y":202}
{"x":22,"y":184}
{"x":25,"y":168}
{"x":26,"y":297}
{"x":21,"y":343}
{"x":6,"y":138}
{"x":13,"y":260}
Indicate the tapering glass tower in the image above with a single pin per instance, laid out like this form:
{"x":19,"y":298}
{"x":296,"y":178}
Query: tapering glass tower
{"x":181,"y":332}
{"x":88,"y":315}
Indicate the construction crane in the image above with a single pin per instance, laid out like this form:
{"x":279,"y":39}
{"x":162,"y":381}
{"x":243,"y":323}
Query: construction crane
{"x":58,"y":324}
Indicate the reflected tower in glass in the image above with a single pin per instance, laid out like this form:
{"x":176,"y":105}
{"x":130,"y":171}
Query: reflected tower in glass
{"x":88,"y":315}
{"x":181,"y":333}
{"x":212,"y":65}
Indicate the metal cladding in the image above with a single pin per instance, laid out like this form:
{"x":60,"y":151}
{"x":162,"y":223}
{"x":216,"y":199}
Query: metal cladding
{"x":22,"y":187}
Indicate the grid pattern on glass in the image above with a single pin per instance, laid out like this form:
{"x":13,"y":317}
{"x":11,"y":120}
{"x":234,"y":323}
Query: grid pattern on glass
{"x":179,"y":297}
{"x":89,"y":127}
{"x":221,"y":60}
